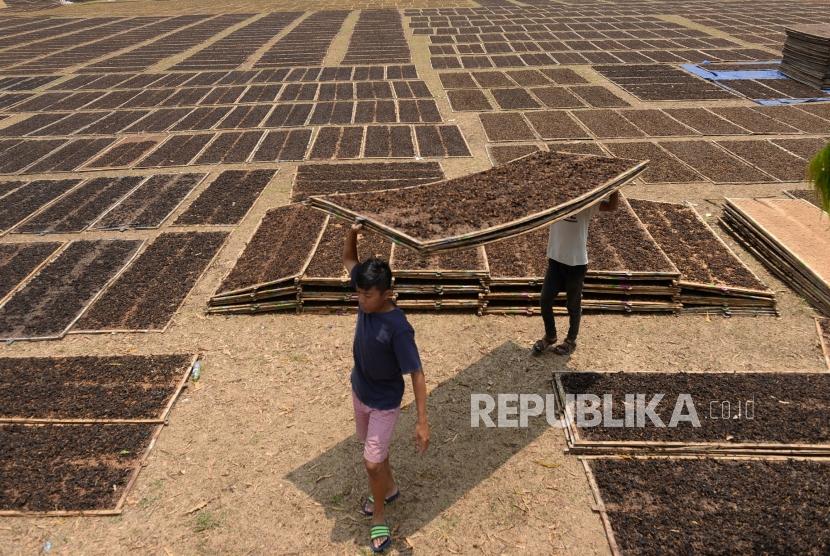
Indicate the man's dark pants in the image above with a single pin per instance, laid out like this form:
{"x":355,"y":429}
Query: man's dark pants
{"x":570,"y":279}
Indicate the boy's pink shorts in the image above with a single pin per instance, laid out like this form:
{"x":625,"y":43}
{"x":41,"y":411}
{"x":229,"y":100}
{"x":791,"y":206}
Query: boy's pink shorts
{"x":374,"y":428}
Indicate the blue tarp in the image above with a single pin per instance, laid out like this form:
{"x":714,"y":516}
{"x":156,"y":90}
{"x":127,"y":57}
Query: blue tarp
{"x":715,"y":76}
{"x":712,"y":75}
{"x":783,"y":101}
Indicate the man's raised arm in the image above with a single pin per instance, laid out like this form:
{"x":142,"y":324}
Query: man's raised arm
{"x":350,"y":259}
{"x":611,"y":203}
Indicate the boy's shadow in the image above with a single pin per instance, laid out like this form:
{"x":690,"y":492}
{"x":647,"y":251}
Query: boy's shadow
{"x":459,"y":456}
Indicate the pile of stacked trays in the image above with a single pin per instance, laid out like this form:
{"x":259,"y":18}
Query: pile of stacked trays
{"x":807,"y":55}
{"x":637,"y":263}
{"x":629,"y":273}
{"x":712,"y":277}
{"x":790,"y":237}
{"x":294,"y":263}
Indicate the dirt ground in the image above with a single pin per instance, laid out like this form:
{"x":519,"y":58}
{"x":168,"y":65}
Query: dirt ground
{"x":261,"y":452}
{"x":260,"y":455}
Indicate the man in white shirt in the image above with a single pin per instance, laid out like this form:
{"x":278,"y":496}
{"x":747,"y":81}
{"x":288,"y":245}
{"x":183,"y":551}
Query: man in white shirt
{"x":567,"y":264}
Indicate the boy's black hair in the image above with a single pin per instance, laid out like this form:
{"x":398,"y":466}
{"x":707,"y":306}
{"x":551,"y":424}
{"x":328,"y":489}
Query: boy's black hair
{"x":373,"y":273}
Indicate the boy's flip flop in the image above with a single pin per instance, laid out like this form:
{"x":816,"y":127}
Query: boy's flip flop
{"x":378,"y":532}
{"x":371,"y":500}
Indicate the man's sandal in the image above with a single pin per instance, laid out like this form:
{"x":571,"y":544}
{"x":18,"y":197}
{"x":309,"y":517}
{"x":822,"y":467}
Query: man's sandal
{"x":541,"y":345}
{"x":370,"y":501}
{"x":378,"y":532}
{"x":565,"y":348}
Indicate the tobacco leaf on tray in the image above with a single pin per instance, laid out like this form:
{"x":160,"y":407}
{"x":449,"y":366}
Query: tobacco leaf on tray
{"x":796,"y":397}
{"x":702,"y":506}
{"x":495,"y":197}
{"x":279,"y":248}
{"x":692,"y":246}
{"x":112,"y":387}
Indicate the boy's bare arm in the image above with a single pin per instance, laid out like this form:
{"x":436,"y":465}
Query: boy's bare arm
{"x":350,"y":259}
{"x":419,"y":386}
{"x":611,"y":203}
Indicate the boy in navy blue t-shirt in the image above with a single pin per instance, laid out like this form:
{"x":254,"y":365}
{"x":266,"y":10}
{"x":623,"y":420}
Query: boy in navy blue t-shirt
{"x":384,"y":350}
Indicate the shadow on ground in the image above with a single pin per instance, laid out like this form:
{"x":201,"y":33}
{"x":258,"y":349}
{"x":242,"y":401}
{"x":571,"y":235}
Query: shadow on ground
{"x":459,"y":457}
